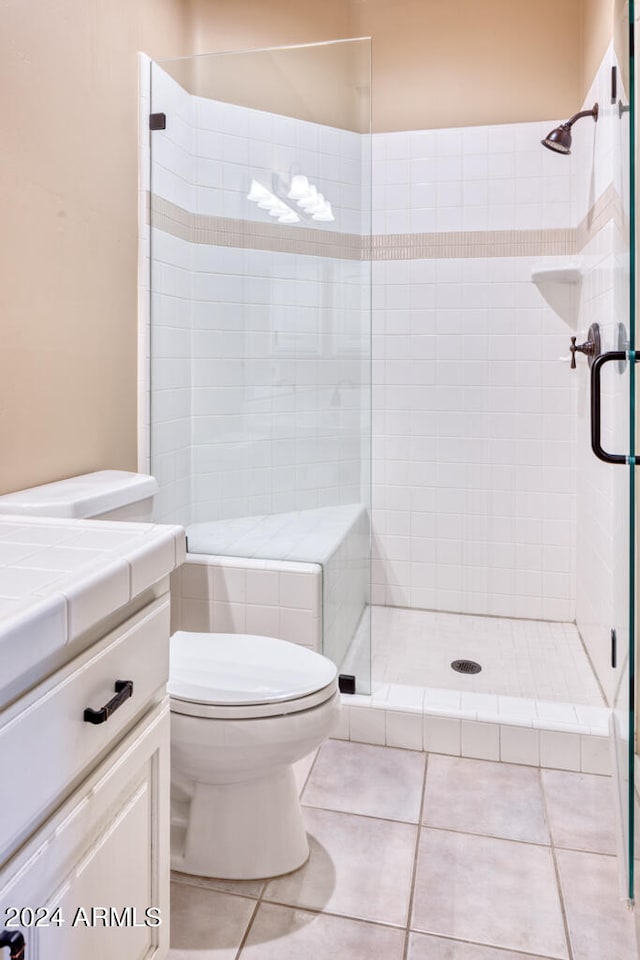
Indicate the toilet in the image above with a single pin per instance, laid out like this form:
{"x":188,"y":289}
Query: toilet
{"x":244,"y":709}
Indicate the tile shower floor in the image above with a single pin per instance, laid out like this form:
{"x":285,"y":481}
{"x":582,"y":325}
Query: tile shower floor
{"x":419,"y":856}
{"x":520,"y":658}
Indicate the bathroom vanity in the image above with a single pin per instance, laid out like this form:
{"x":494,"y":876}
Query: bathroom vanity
{"x":84,"y":736}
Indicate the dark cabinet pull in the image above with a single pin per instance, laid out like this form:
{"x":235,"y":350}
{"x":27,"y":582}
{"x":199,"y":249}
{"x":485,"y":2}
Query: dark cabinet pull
{"x":124,"y":690}
{"x":596,"y":434}
{"x":15,"y":941}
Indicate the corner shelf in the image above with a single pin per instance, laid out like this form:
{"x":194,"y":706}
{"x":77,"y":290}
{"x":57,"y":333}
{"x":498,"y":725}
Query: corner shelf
{"x":569,"y":274}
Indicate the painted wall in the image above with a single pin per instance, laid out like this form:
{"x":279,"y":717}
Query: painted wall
{"x":68,"y":168}
{"x":439,"y":63}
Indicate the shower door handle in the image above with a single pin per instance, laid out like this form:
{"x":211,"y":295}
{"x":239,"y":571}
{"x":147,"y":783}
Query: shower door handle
{"x":596,"y":404}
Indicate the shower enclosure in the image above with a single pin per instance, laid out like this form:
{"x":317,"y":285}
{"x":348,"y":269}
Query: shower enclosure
{"x":314,"y":286}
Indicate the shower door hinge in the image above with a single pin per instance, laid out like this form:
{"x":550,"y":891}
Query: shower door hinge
{"x":347,"y":683}
{"x":157,"y":121}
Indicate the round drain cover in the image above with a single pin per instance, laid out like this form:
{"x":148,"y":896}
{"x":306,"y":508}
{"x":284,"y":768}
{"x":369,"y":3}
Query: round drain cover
{"x":466,"y":666}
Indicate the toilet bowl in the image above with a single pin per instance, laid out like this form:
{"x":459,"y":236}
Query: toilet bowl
{"x":244,"y":709}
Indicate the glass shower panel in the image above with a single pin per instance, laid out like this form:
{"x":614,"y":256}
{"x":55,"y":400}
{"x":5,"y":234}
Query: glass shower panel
{"x":617,"y":392}
{"x":269,"y":194}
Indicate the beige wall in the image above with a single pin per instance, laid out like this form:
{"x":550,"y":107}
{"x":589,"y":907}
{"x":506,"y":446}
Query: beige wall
{"x":436,"y":63}
{"x":218,"y":25}
{"x":68,"y":169}
{"x":68,"y":91}
{"x":322,"y":83}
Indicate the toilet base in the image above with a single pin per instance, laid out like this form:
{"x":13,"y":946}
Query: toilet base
{"x":242,"y":831}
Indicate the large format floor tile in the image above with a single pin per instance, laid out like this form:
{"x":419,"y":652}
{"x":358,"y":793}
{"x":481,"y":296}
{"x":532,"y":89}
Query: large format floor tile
{"x":599,"y":923}
{"x":358,"y":867}
{"x":479,"y":796}
{"x":496,"y":892}
{"x":424,"y":947}
{"x":376,"y":781}
{"x":282,"y":933}
{"x":206,"y":923}
{"x":581,"y":810}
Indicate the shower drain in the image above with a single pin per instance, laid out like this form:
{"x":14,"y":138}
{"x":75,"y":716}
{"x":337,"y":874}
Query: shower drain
{"x":466,"y":666}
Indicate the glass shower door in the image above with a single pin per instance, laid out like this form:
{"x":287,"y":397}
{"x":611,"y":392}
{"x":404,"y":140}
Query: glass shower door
{"x":613,"y":376}
{"x":260,"y":214}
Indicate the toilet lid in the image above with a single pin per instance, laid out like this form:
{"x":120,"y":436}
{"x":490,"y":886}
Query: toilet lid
{"x":237,"y":669}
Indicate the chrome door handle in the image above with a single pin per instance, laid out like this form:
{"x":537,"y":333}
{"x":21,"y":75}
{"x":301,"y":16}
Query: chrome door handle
{"x":596,"y":404}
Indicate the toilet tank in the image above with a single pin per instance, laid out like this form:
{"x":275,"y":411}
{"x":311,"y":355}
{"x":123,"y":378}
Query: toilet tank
{"x":105,"y":495}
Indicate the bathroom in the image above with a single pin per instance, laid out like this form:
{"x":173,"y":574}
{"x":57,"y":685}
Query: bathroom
{"x":402,"y":382}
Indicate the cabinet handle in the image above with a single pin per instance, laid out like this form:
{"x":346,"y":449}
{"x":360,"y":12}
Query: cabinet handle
{"x":124,"y":690}
{"x":15,"y":941}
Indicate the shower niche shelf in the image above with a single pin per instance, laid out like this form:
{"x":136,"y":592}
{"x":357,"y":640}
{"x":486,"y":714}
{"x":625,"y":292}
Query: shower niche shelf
{"x":571,"y":273}
{"x":560,"y":286}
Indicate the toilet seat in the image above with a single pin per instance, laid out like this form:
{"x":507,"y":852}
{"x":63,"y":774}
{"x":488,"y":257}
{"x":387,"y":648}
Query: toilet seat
{"x":240,"y":676}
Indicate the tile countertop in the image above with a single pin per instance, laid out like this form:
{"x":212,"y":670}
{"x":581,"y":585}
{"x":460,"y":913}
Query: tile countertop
{"x":60,"y":578}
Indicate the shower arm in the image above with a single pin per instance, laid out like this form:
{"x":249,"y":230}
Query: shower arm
{"x":583,"y":113}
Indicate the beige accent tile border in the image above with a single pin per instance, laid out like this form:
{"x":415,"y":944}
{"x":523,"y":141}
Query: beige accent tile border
{"x":478,"y":243}
{"x":607,"y":207}
{"x":247,"y":234}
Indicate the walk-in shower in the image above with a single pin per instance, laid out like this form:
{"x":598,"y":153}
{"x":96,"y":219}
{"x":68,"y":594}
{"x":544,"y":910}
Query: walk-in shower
{"x":365,"y":339}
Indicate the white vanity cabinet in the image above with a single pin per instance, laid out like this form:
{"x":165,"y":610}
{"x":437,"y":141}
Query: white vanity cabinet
{"x":84,"y":805}
{"x":84,"y":885}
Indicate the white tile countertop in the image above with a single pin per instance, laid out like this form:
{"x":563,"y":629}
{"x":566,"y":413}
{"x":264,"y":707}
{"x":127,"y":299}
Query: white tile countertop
{"x":60,"y":577}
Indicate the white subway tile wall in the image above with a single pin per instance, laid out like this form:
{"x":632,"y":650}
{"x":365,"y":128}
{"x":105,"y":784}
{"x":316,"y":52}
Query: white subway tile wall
{"x":263,"y":597}
{"x":482,"y":457}
{"x":259,"y":359}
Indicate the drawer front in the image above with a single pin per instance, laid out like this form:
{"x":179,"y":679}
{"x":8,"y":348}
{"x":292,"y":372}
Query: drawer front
{"x":98,"y":866}
{"x":46,"y":743}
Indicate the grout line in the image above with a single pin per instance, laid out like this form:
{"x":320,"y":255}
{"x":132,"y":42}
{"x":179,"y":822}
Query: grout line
{"x":414,"y":870}
{"x":464,"y":833}
{"x":488,"y":946}
{"x":246,"y":933}
{"x":563,"y":909}
{"x":605,"y":702}
{"x":320,"y":912}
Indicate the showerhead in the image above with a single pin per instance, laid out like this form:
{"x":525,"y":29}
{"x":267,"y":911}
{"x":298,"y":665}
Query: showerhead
{"x":559,"y":139}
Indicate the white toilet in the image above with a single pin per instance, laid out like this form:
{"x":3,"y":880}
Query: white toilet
{"x":243,"y":710}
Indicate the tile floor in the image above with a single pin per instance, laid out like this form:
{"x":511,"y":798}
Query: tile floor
{"x":420,"y":856}
{"x":520,"y":658}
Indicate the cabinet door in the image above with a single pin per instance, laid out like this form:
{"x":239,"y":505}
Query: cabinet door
{"x":101,"y":863}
